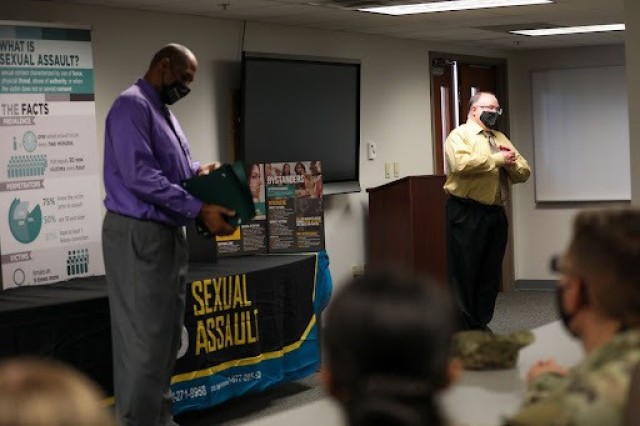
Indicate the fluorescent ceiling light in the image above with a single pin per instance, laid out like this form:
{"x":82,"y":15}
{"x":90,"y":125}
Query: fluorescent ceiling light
{"x":570,"y":30}
{"x":448,"y":6}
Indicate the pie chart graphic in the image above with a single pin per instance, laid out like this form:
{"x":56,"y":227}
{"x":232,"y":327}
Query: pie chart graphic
{"x":29,"y":141}
{"x":24,"y":225}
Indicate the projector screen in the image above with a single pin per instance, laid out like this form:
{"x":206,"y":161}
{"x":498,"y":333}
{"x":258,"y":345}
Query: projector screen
{"x":581,"y":135}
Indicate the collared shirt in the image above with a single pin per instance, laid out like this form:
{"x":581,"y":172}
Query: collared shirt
{"x":595,"y":392}
{"x":473,"y":170}
{"x":145,"y":160}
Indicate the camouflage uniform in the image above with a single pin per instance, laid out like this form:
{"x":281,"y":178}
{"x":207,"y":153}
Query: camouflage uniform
{"x":593,"y":393}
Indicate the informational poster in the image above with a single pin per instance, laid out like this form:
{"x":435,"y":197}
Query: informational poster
{"x":289,"y":211}
{"x":295,"y":215}
{"x":250,"y":238}
{"x":49,"y":183}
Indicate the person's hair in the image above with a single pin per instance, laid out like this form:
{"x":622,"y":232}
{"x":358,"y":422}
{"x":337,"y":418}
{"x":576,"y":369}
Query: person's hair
{"x":475,"y":98}
{"x":605,"y":250}
{"x":177,"y":54}
{"x":39,"y":392}
{"x":387,"y":340}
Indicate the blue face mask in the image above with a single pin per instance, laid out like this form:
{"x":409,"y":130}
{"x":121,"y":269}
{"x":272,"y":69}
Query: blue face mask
{"x":173,"y":92}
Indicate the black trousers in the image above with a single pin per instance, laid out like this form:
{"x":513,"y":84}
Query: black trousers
{"x":476,"y":240}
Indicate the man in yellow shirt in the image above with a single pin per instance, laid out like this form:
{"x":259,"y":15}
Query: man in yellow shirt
{"x":481,"y":164}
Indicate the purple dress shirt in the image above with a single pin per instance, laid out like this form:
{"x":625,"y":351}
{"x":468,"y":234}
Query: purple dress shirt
{"x":145,"y":160}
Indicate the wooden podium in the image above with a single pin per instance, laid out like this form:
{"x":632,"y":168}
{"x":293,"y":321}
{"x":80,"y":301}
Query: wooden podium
{"x":407,"y":225}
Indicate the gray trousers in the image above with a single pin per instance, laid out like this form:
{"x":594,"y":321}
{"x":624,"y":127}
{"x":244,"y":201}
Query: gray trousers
{"x":145,"y":265}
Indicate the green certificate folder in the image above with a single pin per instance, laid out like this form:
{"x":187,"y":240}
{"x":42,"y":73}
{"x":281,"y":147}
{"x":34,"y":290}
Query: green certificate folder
{"x":226,"y":186}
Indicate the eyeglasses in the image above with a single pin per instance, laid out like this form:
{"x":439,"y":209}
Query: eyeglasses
{"x":491,"y":108}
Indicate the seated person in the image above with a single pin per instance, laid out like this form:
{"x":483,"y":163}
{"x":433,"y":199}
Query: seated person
{"x":39,"y":392}
{"x":387,"y":340}
{"x":599,"y":302}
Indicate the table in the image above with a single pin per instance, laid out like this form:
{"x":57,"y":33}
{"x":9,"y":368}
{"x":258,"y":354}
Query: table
{"x":485,"y":397}
{"x":247,"y":328}
{"x":478,"y":398}
{"x":250,"y":323}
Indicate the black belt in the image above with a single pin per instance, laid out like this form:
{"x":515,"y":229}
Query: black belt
{"x":474,"y":203}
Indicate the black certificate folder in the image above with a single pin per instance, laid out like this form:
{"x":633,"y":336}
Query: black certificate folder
{"x":226,"y":186}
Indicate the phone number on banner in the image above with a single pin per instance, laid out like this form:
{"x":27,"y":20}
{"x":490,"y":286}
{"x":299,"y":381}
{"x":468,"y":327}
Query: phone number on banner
{"x":201,"y":391}
{"x":190,"y":393}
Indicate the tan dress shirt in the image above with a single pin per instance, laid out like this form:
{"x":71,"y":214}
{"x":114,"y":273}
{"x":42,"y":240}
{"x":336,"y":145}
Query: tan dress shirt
{"x":473,"y":169}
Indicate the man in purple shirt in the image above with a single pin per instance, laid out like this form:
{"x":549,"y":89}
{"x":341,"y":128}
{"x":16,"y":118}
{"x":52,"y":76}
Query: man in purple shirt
{"x":146,"y":157}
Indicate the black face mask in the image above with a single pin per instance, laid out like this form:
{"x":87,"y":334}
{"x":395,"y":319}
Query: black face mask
{"x":489,"y":118}
{"x":173,"y":92}
{"x":565,"y":316}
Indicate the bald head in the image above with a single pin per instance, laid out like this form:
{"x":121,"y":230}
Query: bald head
{"x":176,"y":53}
{"x":173,"y":63}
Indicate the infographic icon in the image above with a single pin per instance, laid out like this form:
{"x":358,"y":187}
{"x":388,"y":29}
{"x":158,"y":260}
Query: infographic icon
{"x":24,"y":225}
{"x":29,"y":141}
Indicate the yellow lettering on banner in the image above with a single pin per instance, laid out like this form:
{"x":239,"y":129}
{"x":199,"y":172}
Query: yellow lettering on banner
{"x":247,"y":302}
{"x":233,"y":323}
{"x":220,"y":294}
{"x":220,"y":334}
{"x":238,"y":300}
{"x":252,"y":338}
{"x":196,"y":287}
{"x":228,"y":336}
{"x":213,"y":341}
{"x":201,"y":337}
{"x":240,"y":331}
{"x":217,"y":303}
{"x":207,"y":296}
{"x":226,"y":292}
{"x":227,"y":330}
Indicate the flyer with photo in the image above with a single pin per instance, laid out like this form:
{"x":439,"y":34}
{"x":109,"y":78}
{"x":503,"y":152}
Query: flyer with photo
{"x":250,"y":238}
{"x":295,"y":215}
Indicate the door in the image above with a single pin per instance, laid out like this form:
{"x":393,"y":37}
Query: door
{"x":453,"y":83}
{"x":472,"y":79}
{"x":444,"y":108}
{"x":454,"y":80}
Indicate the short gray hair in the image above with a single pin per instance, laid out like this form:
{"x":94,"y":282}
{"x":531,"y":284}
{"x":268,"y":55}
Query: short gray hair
{"x":475,"y":98}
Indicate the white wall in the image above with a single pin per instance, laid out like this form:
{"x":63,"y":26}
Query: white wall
{"x":395,"y":94}
{"x":541,"y":231}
